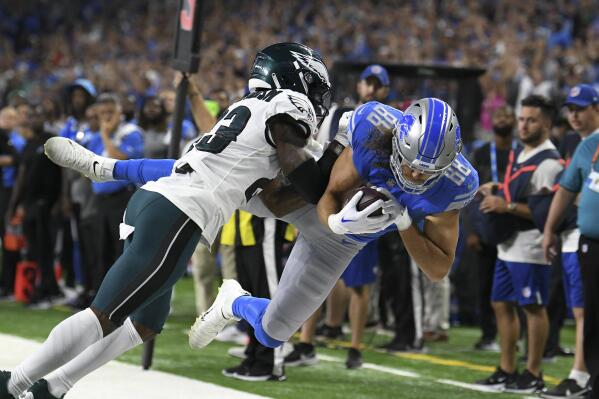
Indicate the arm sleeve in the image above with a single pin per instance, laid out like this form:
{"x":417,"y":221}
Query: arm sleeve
{"x":141,"y":171}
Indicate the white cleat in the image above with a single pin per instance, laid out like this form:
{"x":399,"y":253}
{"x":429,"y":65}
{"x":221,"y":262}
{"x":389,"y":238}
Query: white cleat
{"x":68,"y":154}
{"x":218,"y":316}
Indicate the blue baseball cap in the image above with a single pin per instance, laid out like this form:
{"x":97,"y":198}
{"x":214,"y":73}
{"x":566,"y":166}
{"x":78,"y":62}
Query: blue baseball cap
{"x":85,"y":84}
{"x":582,"y":95}
{"x":378,"y":72}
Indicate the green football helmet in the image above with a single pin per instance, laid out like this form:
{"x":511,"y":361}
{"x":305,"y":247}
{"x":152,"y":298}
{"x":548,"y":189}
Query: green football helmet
{"x":295,"y":67}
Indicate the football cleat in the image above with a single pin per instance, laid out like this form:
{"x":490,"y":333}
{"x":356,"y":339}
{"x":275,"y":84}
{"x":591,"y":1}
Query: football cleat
{"x":303,"y":355}
{"x":218,"y":316}
{"x":39,"y":390}
{"x":4,"y":378}
{"x":66,"y":153}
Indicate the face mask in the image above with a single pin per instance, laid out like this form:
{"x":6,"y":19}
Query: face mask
{"x":503,"y":131}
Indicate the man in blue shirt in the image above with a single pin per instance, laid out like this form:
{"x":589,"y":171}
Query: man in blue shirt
{"x":120,"y":141}
{"x":581,"y":179}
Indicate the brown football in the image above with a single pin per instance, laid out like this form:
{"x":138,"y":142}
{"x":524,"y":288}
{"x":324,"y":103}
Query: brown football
{"x":370,"y":196}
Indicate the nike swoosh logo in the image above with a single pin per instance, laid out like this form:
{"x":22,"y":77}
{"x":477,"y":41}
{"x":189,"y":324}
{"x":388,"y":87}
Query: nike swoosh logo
{"x":94,"y":167}
{"x":344,"y":220}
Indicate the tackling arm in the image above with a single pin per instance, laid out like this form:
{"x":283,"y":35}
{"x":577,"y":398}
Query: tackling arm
{"x":296,"y":163}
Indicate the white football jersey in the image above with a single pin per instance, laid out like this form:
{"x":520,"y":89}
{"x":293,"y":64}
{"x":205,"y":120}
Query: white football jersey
{"x":234,"y":160}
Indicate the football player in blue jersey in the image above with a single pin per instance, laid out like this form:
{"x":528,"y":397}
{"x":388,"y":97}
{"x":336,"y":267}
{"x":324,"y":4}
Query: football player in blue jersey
{"x":414,"y":157}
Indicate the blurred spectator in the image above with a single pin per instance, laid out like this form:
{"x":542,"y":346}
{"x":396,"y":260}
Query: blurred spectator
{"x":79,"y":95}
{"x":85,"y":213}
{"x":128,"y":103}
{"x":119,"y":140}
{"x":36,"y":193}
{"x":580,"y":177}
{"x":9,"y":157}
{"x":188,"y":130}
{"x":490,"y":161}
{"x":53,"y":122}
{"x":522,"y":273}
{"x":125,"y":46}
{"x":153,"y":121}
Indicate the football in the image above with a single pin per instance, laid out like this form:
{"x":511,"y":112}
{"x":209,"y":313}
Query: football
{"x":370,"y":196}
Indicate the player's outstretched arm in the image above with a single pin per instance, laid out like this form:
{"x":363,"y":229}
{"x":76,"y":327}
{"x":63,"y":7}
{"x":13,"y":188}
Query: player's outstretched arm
{"x":433,"y":250}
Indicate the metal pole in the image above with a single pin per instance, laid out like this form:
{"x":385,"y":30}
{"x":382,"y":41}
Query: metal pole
{"x":175,"y":145}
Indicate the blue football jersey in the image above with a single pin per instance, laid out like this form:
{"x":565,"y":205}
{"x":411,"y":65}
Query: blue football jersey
{"x":371,"y":153}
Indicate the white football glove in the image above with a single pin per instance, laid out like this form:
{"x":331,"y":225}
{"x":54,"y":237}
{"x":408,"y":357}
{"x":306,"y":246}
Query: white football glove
{"x":351,"y":221}
{"x":398,"y":213}
{"x":341,"y":136}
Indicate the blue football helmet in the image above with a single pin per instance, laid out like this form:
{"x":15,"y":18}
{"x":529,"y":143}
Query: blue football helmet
{"x":427,"y":139}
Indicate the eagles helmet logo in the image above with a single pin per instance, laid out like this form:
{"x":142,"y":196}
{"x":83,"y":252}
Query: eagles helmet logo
{"x":313,"y":64}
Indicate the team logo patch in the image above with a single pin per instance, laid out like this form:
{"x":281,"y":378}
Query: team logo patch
{"x":302,"y":107}
{"x":574,"y":92}
{"x":526,"y":292}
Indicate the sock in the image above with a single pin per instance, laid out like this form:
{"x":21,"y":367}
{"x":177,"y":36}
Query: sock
{"x":141,"y":171}
{"x":67,"y":340}
{"x":120,"y":341}
{"x":581,"y":377}
{"x":252,"y":310}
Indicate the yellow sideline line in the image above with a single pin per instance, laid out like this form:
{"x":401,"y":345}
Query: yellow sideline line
{"x":435,"y":360}
{"x":458,"y":363}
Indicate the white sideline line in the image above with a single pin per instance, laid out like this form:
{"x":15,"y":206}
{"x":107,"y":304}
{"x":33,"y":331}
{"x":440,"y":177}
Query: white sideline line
{"x":372,"y":366}
{"x":118,"y":380}
{"x":465,"y":385}
{"x":410,"y":374}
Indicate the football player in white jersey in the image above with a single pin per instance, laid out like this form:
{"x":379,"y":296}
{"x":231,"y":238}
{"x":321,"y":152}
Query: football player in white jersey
{"x":257,"y":138}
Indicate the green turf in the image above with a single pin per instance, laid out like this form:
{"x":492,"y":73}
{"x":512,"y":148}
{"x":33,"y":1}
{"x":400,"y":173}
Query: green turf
{"x":325,"y":380}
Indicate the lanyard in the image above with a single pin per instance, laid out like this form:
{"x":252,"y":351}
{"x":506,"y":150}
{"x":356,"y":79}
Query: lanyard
{"x":595,"y":157}
{"x":493,"y":153}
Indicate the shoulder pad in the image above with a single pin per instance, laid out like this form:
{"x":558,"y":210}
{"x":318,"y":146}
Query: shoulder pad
{"x":295,"y":105}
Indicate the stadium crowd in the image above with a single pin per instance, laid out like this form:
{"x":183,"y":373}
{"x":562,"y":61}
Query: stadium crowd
{"x":65,"y":66}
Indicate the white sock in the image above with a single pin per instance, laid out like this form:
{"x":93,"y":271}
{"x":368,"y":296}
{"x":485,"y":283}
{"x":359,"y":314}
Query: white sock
{"x":120,"y":341}
{"x":67,"y":340}
{"x":581,"y":377}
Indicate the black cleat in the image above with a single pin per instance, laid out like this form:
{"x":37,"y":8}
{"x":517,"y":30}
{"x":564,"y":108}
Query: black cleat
{"x":247,"y":373}
{"x":303,"y":355}
{"x":329,"y":332}
{"x":4,"y":378}
{"x":39,"y":390}
{"x":354,"y":359}
{"x":526,"y":382}
{"x":498,"y":380}
{"x":568,"y":388}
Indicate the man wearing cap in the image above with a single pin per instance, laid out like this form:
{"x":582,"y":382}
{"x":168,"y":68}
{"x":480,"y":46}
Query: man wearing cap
{"x":579,"y":177}
{"x":354,"y":283}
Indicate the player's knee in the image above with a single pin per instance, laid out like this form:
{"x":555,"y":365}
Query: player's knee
{"x":144,"y":332}
{"x":108,"y":326}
